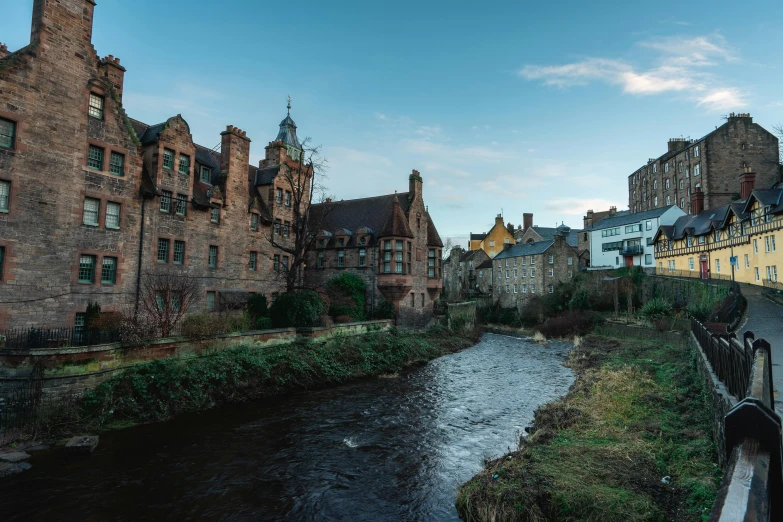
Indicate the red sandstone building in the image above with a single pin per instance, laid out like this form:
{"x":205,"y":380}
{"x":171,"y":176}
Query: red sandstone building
{"x":92,"y":200}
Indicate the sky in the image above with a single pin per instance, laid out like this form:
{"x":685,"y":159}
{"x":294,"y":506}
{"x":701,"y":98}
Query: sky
{"x":508,"y":107}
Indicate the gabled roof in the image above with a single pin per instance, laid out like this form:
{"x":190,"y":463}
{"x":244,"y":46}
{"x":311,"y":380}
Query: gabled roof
{"x":208,"y":158}
{"x":770,"y":197}
{"x":396,"y":224}
{"x":355,"y":213}
{"x":477,"y":237}
{"x":548,"y":234}
{"x":525,"y":249}
{"x":266,"y":176}
{"x":486,"y":264}
{"x":433,"y":238}
{"x":697,"y":225}
{"x":626,"y":218}
{"x":151,"y":133}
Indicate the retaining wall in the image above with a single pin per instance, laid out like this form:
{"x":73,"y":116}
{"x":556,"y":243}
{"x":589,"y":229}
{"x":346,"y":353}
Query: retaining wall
{"x":72,"y":370}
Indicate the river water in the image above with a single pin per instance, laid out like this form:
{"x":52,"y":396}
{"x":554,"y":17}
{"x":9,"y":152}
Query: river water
{"x":380,"y":449}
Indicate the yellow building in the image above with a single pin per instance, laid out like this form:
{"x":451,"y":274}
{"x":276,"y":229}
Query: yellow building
{"x":703,"y":245}
{"x":494,"y":241}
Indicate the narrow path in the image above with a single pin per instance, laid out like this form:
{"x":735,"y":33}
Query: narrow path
{"x":765,"y":319}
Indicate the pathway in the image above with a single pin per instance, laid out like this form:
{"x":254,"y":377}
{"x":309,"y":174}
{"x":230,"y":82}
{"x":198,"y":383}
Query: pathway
{"x":765,"y":319}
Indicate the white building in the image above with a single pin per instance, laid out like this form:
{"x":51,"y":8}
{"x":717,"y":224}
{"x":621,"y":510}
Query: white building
{"x":626,"y":239}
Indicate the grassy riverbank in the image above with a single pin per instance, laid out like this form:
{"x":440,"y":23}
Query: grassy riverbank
{"x":158,"y":390}
{"x":636,"y":414}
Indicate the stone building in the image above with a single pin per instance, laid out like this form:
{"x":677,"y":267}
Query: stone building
{"x":92,"y":201}
{"x":527,"y":269}
{"x":390,"y":241}
{"x":712,"y":164}
{"x":460,"y":277}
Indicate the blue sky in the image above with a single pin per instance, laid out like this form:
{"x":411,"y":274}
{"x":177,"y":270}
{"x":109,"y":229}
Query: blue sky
{"x":542,"y":108}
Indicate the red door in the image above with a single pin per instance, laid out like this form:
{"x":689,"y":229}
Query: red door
{"x":705,"y":267}
{"x":628,"y":260}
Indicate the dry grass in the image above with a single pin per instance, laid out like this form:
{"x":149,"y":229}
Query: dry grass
{"x":635,"y":414}
{"x":539,"y":338}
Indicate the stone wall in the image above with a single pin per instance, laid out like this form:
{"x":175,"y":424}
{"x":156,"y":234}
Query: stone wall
{"x":461,"y":316}
{"x":73,"y":370}
{"x":722,"y":400}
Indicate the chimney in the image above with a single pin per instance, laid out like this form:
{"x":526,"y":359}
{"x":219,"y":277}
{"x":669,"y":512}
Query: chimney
{"x":111,"y":69}
{"x":3,"y":51}
{"x":588,"y":219}
{"x":414,"y":185}
{"x":697,"y":201}
{"x":234,"y":158}
{"x":527,"y":221}
{"x":510,"y":228}
{"x":499,"y":220}
{"x":677,"y":144}
{"x":64,"y":24}
{"x":612,"y":211}
{"x":747,"y":181}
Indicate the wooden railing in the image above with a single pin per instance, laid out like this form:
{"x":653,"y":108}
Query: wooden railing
{"x":752,"y":487}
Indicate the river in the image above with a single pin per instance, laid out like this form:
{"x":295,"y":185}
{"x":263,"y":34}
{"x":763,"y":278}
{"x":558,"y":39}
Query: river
{"x":393,"y":448}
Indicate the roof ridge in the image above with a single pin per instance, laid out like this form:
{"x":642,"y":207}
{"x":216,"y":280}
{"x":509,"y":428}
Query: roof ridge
{"x":365,"y":198}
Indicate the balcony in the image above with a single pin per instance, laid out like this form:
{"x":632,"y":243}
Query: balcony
{"x":631,"y":250}
{"x":395,"y":286}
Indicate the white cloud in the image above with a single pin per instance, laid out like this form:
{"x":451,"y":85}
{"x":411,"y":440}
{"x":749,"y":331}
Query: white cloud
{"x":681,"y":70}
{"x":379,"y":115}
{"x":345,"y":155}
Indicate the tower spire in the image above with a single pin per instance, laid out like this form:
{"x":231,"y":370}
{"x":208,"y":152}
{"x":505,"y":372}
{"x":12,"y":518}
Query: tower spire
{"x":289,"y":105}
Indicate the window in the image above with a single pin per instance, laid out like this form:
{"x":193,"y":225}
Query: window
{"x":113,"y":215}
{"x":287,"y":198}
{"x":682,"y":202}
{"x":655,"y":183}
{"x":689,"y":241}
{"x":766,"y":244}
{"x":655,"y":201}
{"x":179,"y":252}
{"x":320,"y":259}
{"x":570,"y":260}
{"x":168,"y":159}
{"x":666,"y":169}
{"x":184,"y":164}
{"x":116,"y":163}
{"x":532,"y":260}
{"x":550,"y":272}
{"x":524,"y":288}
{"x":284,"y":262}
{"x":696,"y":151}
{"x":78,"y":327}
{"x":286,"y":229}
{"x":506,"y":273}
{"x":213,"y":255}
{"x":702,"y":240}
{"x":717,"y":265}
{"x":515,"y":289}
{"x":655,"y":168}
{"x":774,"y":273}
{"x":696,"y":171}
{"x":86,"y":269}
{"x":690,"y":263}
{"x":5,"y":195}
{"x":660,"y":267}
{"x":756,"y":269}
{"x":109,"y":271}
{"x":2,"y":258}
{"x":215,"y":216}
{"x":206,"y":175}
{"x":491,"y":243}
{"x":523,"y":272}
{"x":340,"y":258}
{"x":772,"y":243}
{"x":278,"y":226}
{"x":7,"y":133}
{"x":532,"y":288}
{"x":747,"y":261}
{"x":253,"y":261}
{"x":210,"y":300}
{"x":532,"y":272}
{"x":755,"y":246}
{"x":413,"y":300}
{"x":647,"y":259}
{"x":340,"y":241}
{"x":398,"y":264}
{"x":387,"y":257}
{"x":91,"y":209}
{"x":96,"y":106}
{"x":165,"y":201}
{"x":182,"y":204}
{"x":279,"y":196}
{"x":431,"y":263}
{"x":95,"y":158}
{"x":276,"y":263}
{"x":632,"y":228}
{"x":551,"y":259}
{"x":507,"y":289}
{"x":163,"y":250}
{"x":551,"y":289}
{"x":648,"y":225}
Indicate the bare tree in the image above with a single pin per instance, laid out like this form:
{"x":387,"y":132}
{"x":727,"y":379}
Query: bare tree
{"x":305,"y":179}
{"x":165,"y":298}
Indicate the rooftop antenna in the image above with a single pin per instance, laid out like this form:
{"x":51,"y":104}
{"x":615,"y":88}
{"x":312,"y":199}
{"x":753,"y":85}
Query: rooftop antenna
{"x":289,"y":105}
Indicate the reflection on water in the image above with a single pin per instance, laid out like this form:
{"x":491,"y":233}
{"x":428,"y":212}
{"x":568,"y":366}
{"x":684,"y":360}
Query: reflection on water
{"x":381,"y":449}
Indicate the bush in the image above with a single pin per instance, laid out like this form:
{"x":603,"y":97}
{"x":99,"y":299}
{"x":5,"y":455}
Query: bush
{"x":347,"y":295}
{"x":257,"y":307}
{"x":568,"y":324}
{"x":580,"y":300}
{"x":385,"y":310}
{"x":656,"y":308}
{"x":342,"y":319}
{"x":298,"y":309}
{"x":203,"y":325}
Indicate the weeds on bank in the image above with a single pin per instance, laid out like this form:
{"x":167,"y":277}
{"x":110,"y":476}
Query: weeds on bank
{"x":636,"y":414}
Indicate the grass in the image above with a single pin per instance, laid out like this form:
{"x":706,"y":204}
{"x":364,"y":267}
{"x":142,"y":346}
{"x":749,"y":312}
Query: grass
{"x":636,"y":414}
{"x":159,"y":390}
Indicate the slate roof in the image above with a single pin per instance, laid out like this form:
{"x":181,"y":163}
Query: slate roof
{"x":486,"y":264}
{"x":287,"y":133}
{"x":151,"y":133}
{"x":355,"y":213}
{"x":433,"y":238}
{"x":266,"y":176}
{"x":625,"y":217}
{"x":548,"y":234}
{"x":208,"y":158}
{"x":477,"y":237}
{"x":525,"y":249}
{"x":396,"y":224}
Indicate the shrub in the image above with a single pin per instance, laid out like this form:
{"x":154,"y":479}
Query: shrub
{"x":263,"y":323}
{"x":568,"y":324}
{"x":656,"y":308}
{"x":580,"y":300}
{"x":297,"y":309}
{"x":385,"y":310}
{"x":347,"y":295}
{"x":203,"y":325}
{"x":342,"y":319}
{"x":257,"y":307}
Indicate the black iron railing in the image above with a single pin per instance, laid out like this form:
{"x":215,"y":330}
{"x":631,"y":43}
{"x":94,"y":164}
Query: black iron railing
{"x":631,"y":250}
{"x":28,"y":338}
{"x":752,"y":487}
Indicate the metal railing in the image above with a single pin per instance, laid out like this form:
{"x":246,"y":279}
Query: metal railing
{"x":631,"y":250}
{"x":28,"y":338}
{"x":774,"y":285}
{"x":752,"y":487}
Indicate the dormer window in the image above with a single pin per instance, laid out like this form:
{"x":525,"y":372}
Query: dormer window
{"x":363,"y":240}
{"x":206,"y":175}
{"x":96,"y":106}
{"x":340,"y":241}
